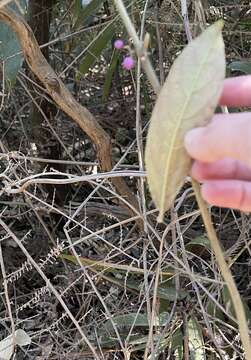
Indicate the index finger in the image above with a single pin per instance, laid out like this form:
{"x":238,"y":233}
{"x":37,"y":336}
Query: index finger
{"x":236,"y":91}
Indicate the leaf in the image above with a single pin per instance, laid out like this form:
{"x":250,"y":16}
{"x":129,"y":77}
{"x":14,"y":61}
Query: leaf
{"x":6,"y":345}
{"x":95,"y":50}
{"x":109,"y":74}
{"x":214,"y":311}
{"x":242,"y":66}
{"x":188,"y":99}
{"x":196,"y":343}
{"x":86,"y":2}
{"x":135,"y":319}
{"x":108,"y":266}
{"x":22,"y":8}
{"x":126,"y":325}
{"x":199,"y":246}
{"x":22,"y":338}
{"x":9,"y":48}
{"x":164,"y":291}
{"x":137,"y":342}
{"x":170,"y":293}
{"x":199,"y":240}
{"x":112,"y":341}
{"x":83,"y":12}
{"x":229,"y":305}
{"x":10,"y":57}
{"x":177,"y":344}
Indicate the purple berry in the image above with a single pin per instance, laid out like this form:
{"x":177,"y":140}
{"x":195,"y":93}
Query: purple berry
{"x":128,"y":63}
{"x":119,"y":44}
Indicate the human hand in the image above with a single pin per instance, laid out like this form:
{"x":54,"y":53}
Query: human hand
{"x":222,"y":150}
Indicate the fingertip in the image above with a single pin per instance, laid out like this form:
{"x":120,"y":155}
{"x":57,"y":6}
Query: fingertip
{"x":226,"y":168}
{"x":199,"y":170}
{"x":192,"y":141}
{"x":232,"y":194}
{"x":226,"y":136}
{"x":236,"y":91}
{"x":220,"y":193}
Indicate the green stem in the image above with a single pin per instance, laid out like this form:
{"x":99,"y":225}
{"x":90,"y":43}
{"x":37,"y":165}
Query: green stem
{"x":234,"y":293}
{"x":138,"y":45}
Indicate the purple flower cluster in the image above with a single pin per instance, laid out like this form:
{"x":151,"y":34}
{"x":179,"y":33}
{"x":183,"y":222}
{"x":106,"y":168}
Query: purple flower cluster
{"x":119,"y":44}
{"x":128,"y":61}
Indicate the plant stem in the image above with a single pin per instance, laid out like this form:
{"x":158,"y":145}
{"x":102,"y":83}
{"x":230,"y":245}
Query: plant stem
{"x":234,"y":293}
{"x":139,"y":46}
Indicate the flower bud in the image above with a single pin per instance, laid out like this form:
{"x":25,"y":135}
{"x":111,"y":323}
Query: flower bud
{"x":128,"y":63}
{"x":119,"y":44}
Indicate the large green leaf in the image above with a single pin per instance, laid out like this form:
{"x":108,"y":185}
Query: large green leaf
{"x":10,"y":57}
{"x":187,"y":99}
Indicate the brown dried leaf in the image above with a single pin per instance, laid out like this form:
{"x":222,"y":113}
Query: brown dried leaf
{"x":188,"y":99}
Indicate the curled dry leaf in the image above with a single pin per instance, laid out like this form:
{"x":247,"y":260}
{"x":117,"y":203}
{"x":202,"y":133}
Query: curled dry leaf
{"x":187,"y":99}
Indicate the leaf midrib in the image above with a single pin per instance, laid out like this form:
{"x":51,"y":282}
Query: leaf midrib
{"x":180,"y":117}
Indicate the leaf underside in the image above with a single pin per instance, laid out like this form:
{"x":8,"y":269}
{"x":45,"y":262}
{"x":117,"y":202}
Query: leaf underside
{"x":187,"y":99}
